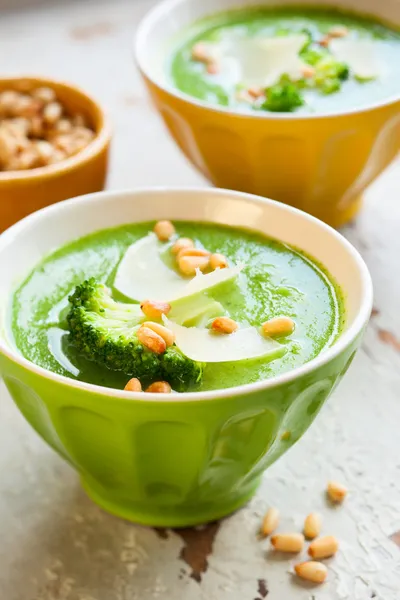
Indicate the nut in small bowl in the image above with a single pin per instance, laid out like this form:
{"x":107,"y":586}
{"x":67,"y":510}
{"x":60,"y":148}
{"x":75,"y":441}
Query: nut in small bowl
{"x":54,"y":142}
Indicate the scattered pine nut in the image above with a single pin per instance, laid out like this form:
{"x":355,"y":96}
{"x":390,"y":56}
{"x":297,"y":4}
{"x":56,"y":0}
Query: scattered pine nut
{"x":311,"y":571}
{"x":325,"y":41}
{"x":52,"y":112}
{"x":286,"y":435}
{"x":338,"y":31}
{"x":270,"y":522}
{"x":218,"y":261}
{"x":193,"y":252}
{"x":151,"y":340}
{"x":255,"y":92}
{"x":154,"y":310}
{"x":200,"y":53}
{"x":224,"y":325}
{"x":336,"y":491}
{"x":45,"y":151}
{"x":312,"y":526}
{"x":189,"y":264}
{"x":323,"y":547}
{"x":181,"y":244}
{"x":159,"y":387}
{"x":133,"y":385}
{"x":164,"y":230}
{"x":278,"y":327}
{"x":213,"y":68}
{"x":288,"y":542}
{"x":30,"y":131}
{"x":167,"y":335}
{"x":308,"y":71}
{"x":44,"y":94}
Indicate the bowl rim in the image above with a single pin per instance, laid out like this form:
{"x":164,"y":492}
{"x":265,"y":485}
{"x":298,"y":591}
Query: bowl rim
{"x":163,"y":8}
{"x":100,"y":141}
{"x":344,"y":340}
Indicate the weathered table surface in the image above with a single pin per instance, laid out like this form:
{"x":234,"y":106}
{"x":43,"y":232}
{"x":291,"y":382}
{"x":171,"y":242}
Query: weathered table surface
{"x":54,"y":543}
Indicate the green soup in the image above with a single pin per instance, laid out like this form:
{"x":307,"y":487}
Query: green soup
{"x":277,"y":280}
{"x":330,"y":84}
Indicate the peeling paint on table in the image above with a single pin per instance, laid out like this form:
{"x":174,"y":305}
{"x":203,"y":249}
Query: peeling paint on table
{"x":57,"y":545}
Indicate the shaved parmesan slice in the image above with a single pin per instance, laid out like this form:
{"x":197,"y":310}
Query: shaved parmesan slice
{"x":259,"y":62}
{"x":203,"y":345}
{"x":142,"y":274}
{"x":360,"y":55}
{"x":202,"y":282}
{"x":263,"y":61}
{"x":195,"y":310}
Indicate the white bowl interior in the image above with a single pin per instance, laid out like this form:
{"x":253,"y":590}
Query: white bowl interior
{"x":167,"y":22}
{"x":24,"y":245}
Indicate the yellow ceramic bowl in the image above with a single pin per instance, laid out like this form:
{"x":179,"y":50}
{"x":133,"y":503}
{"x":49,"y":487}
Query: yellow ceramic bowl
{"x":319,"y":163}
{"x":23,"y":192}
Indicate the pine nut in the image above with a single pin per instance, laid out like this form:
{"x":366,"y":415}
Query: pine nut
{"x":288,"y":542}
{"x":79,"y":121}
{"x":181,"y":244}
{"x":323,"y":547}
{"x":270,"y":522}
{"x":218,"y":261}
{"x":336,"y":491}
{"x":153,"y":309}
{"x":212,"y":68}
{"x":36,"y":127}
{"x":338,"y":31}
{"x":151,"y":340}
{"x":224,"y":325}
{"x":8,"y":99}
{"x":133,"y":385}
{"x":193,"y":252}
{"x":52,"y":112}
{"x":312,"y":526}
{"x":308,"y":71}
{"x":255,"y":92}
{"x":167,"y":335}
{"x":27,"y":107}
{"x":200,"y":53}
{"x":63,"y":126}
{"x":44,"y":94}
{"x":311,"y":571}
{"x":159,"y":387}
{"x":164,"y":230}
{"x":189,"y":264}
{"x":325,"y":41}
{"x":278,"y":327}
{"x":45,"y":151}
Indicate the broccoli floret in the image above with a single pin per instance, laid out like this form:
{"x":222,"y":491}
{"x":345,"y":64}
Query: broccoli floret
{"x":180,"y":371}
{"x":282,"y":97}
{"x":104,"y":331}
{"x":329,"y":74}
{"x":312,"y":56}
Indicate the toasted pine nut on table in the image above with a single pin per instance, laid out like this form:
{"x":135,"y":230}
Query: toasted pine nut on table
{"x":57,"y":542}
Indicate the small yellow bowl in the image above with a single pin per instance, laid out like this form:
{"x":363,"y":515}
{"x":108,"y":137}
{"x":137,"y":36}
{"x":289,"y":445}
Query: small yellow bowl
{"x":319,"y":163}
{"x":23,"y":192}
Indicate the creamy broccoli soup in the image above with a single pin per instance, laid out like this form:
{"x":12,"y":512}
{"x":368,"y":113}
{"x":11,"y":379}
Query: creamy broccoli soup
{"x":287,"y":59}
{"x":189,"y":307}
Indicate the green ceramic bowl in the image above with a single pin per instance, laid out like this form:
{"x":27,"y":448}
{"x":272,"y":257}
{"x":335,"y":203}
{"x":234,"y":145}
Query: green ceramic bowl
{"x":188,"y":458}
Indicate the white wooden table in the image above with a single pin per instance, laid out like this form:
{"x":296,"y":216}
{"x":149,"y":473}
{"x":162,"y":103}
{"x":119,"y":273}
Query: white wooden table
{"x":54,"y":543}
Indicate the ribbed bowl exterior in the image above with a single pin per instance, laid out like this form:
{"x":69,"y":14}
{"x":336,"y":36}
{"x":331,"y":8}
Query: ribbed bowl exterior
{"x":321,"y":165}
{"x":176,"y":463}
